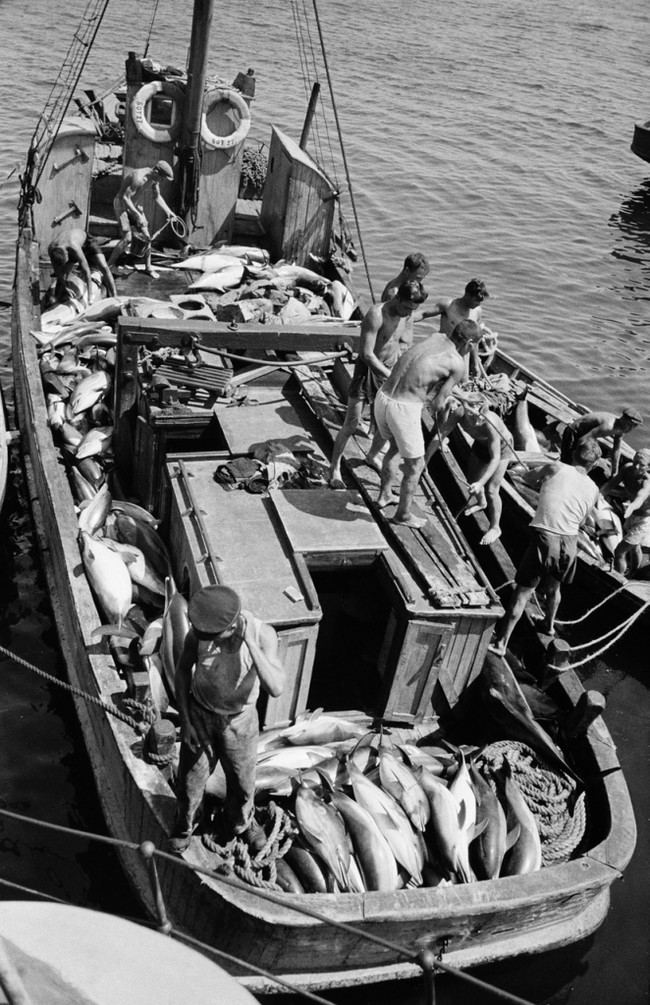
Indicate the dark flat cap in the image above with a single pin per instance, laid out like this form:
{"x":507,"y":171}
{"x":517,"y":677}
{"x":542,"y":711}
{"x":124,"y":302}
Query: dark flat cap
{"x":632,"y":415}
{"x":213,"y":609}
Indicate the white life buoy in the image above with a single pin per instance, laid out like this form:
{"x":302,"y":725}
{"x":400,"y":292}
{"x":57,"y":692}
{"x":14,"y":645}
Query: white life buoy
{"x":234,"y":99}
{"x":139,"y":116}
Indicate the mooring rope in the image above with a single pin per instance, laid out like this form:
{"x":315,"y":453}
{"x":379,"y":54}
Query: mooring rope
{"x":623,"y":628}
{"x":138,"y":727}
{"x":591,"y":610}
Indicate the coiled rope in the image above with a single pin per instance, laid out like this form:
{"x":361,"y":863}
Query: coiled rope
{"x":139,"y":727}
{"x":548,"y":794}
{"x":258,"y":869}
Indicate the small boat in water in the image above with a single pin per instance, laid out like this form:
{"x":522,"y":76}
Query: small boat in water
{"x":548,"y":411}
{"x":193,"y":422}
{"x":641,"y":141}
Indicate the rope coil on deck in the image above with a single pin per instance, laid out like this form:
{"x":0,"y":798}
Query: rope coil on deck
{"x":258,"y":869}
{"x":548,"y":794}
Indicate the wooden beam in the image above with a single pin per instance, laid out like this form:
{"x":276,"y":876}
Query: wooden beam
{"x":322,"y":336}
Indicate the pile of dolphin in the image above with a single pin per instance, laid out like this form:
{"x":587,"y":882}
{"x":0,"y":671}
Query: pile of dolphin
{"x":371,"y":815}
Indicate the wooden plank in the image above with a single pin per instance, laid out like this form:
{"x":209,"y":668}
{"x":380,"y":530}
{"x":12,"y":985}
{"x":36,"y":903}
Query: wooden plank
{"x":268,"y":414}
{"x":321,"y":521}
{"x":407,"y":691}
{"x":323,"y":336}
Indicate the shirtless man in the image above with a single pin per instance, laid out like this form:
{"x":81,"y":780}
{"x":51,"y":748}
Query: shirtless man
{"x":128,"y":208}
{"x":76,"y":247}
{"x":428,"y":370}
{"x":385,"y":334}
{"x":595,"y":424}
{"x":566,"y":498}
{"x":415,"y":267}
{"x":633,"y":484}
{"x":492,"y":452}
{"x":465,"y":308}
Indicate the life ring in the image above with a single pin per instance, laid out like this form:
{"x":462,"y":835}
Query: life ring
{"x":235,"y":99}
{"x":138,"y":111}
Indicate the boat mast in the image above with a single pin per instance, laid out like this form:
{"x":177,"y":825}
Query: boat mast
{"x":193,"y":110}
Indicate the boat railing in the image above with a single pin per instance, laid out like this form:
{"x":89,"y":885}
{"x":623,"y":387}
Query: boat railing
{"x":426,"y":958}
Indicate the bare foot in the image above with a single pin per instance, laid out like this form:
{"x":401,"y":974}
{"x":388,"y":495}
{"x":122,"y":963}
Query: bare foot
{"x":152,"y":273}
{"x":497,"y":647}
{"x":336,"y":483}
{"x":411,"y":521}
{"x":476,"y":508}
{"x":383,"y":503}
{"x":492,"y":535}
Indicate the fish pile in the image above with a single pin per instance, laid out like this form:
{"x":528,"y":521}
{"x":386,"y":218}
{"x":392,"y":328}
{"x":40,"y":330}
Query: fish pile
{"x":376,"y":816}
{"x":240,"y":284}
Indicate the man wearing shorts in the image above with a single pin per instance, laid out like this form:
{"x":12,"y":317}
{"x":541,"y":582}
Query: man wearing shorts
{"x":567,"y":495}
{"x":636,"y":529}
{"x":428,"y":370}
{"x":127,"y":205}
{"x":385,"y":333}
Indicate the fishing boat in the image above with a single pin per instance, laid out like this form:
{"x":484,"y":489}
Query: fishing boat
{"x":641,"y":141}
{"x":548,"y":412}
{"x":214,"y":422}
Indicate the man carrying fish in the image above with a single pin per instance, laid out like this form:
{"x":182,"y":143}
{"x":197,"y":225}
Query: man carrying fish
{"x":386,"y":332}
{"x":567,"y":495}
{"x":228,"y":654}
{"x":428,"y":370}
{"x":76,"y":247}
{"x":129,"y":213}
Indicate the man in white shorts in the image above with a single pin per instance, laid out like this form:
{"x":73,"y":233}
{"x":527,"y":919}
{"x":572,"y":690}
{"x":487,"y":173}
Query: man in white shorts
{"x":427,"y":370}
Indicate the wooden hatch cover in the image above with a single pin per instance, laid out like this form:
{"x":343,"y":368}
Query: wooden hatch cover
{"x":323,"y":521}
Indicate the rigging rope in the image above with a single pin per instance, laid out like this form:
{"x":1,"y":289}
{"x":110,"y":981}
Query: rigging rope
{"x":343,"y":154}
{"x":153,"y":18}
{"x":623,"y":628}
{"x":591,"y":610}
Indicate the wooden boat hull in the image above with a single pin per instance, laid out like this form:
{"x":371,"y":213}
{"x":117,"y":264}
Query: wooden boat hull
{"x":641,"y":141}
{"x":469,"y":924}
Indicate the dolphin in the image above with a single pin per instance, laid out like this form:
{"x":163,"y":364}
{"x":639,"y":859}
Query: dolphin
{"x":141,"y":534}
{"x":89,"y":391}
{"x":140,"y":571}
{"x":108,"y":577}
{"x":443,"y":823}
{"x":306,"y":867}
{"x":176,"y":625}
{"x":97,"y":440}
{"x":324,"y":831}
{"x":489,"y":847}
{"x":376,"y":859}
{"x":93,"y":514}
{"x":526,"y":853}
{"x":319,"y":728}
{"x":391,"y":819}
{"x":505,"y":702}
{"x":398,"y":779}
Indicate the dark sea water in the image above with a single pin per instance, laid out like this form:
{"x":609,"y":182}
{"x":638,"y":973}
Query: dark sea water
{"x":495,"y":139}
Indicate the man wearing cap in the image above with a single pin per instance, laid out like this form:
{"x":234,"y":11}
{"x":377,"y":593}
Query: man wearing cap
{"x":127,"y":205}
{"x":595,"y":424}
{"x":228,"y":654}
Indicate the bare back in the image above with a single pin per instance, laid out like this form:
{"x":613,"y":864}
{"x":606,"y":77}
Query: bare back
{"x":424,"y":369}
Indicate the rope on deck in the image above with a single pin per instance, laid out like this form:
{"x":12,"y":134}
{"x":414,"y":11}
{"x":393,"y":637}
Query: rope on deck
{"x":258,"y":869}
{"x":548,"y":794}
